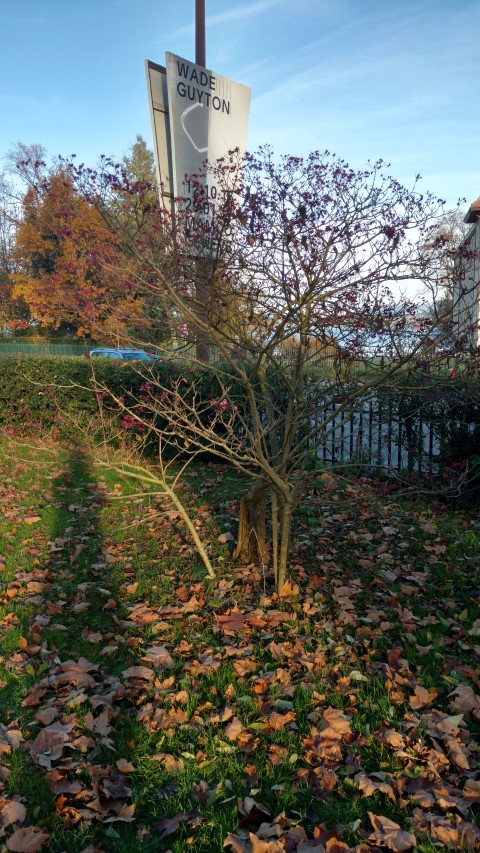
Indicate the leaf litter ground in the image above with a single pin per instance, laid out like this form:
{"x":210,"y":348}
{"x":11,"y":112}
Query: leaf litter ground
{"x":142,"y":705}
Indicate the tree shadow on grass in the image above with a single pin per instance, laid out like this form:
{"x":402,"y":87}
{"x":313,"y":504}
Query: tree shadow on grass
{"x":66,"y":607}
{"x":62,"y":601}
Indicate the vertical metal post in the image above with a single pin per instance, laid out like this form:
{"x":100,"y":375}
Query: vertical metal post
{"x":201,"y":273}
{"x":200,"y":53}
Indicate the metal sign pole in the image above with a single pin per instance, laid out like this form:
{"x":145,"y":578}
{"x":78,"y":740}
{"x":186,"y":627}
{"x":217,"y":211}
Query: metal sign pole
{"x":200,"y":56}
{"x":201,"y":291}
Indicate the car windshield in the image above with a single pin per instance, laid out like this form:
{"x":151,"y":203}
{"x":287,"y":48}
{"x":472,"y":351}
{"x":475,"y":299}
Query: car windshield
{"x":137,"y":355}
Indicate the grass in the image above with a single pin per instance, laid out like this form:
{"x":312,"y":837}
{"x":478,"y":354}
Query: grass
{"x":387,"y":602}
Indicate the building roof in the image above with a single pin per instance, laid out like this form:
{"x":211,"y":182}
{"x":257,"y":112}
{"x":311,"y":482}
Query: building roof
{"x":473,"y":211}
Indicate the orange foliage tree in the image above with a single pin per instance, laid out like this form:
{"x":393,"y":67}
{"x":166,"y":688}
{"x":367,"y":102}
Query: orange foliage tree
{"x":68,"y":264}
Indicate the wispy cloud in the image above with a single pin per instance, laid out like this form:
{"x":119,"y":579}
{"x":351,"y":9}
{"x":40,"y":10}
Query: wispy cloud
{"x":235,"y":13}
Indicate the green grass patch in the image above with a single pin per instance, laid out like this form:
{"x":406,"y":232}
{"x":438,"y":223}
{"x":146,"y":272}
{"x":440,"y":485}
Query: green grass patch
{"x":181,"y":709}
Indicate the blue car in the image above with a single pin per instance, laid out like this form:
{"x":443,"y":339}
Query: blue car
{"x":121,"y":354}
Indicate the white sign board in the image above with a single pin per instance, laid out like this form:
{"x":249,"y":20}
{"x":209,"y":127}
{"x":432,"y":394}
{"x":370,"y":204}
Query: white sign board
{"x":208,"y":116}
{"x":158,"y":100}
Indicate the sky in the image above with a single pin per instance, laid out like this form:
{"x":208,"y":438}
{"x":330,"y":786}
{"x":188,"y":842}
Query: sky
{"x":365,"y":79}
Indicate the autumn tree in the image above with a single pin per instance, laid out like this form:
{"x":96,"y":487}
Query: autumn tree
{"x":57,"y":245}
{"x":140,"y":165}
{"x":14,"y":313}
{"x":6,"y":247}
{"x":26,"y":166}
{"x":65,"y":265}
{"x":125,"y":196}
{"x":136,"y":206}
{"x":297,"y":255}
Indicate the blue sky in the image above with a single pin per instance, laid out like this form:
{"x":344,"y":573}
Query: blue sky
{"x":366,"y":79}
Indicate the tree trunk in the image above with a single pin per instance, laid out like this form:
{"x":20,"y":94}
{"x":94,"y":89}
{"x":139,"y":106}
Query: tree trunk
{"x":251,"y":545}
{"x":274,"y":504}
{"x":202,"y":349}
{"x":285,"y":525}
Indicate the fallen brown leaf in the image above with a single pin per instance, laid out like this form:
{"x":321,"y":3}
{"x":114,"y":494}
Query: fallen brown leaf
{"x":221,"y":716}
{"x":389,"y":834}
{"x":125,"y":766}
{"x":28,"y":840}
{"x":139,"y":672}
{"x":234,"y":729}
{"x":368,"y":785}
{"x":465,"y":700}
{"x":159,"y":657}
{"x":12,"y":812}
{"x":422,"y":698}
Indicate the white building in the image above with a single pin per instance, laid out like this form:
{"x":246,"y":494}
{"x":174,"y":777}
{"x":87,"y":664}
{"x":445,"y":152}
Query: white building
{"x":466,"y":287}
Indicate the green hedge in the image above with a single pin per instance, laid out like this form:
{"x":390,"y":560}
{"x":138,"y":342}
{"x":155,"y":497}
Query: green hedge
{"x":42,"y":394}
{"x":55,"y":393}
